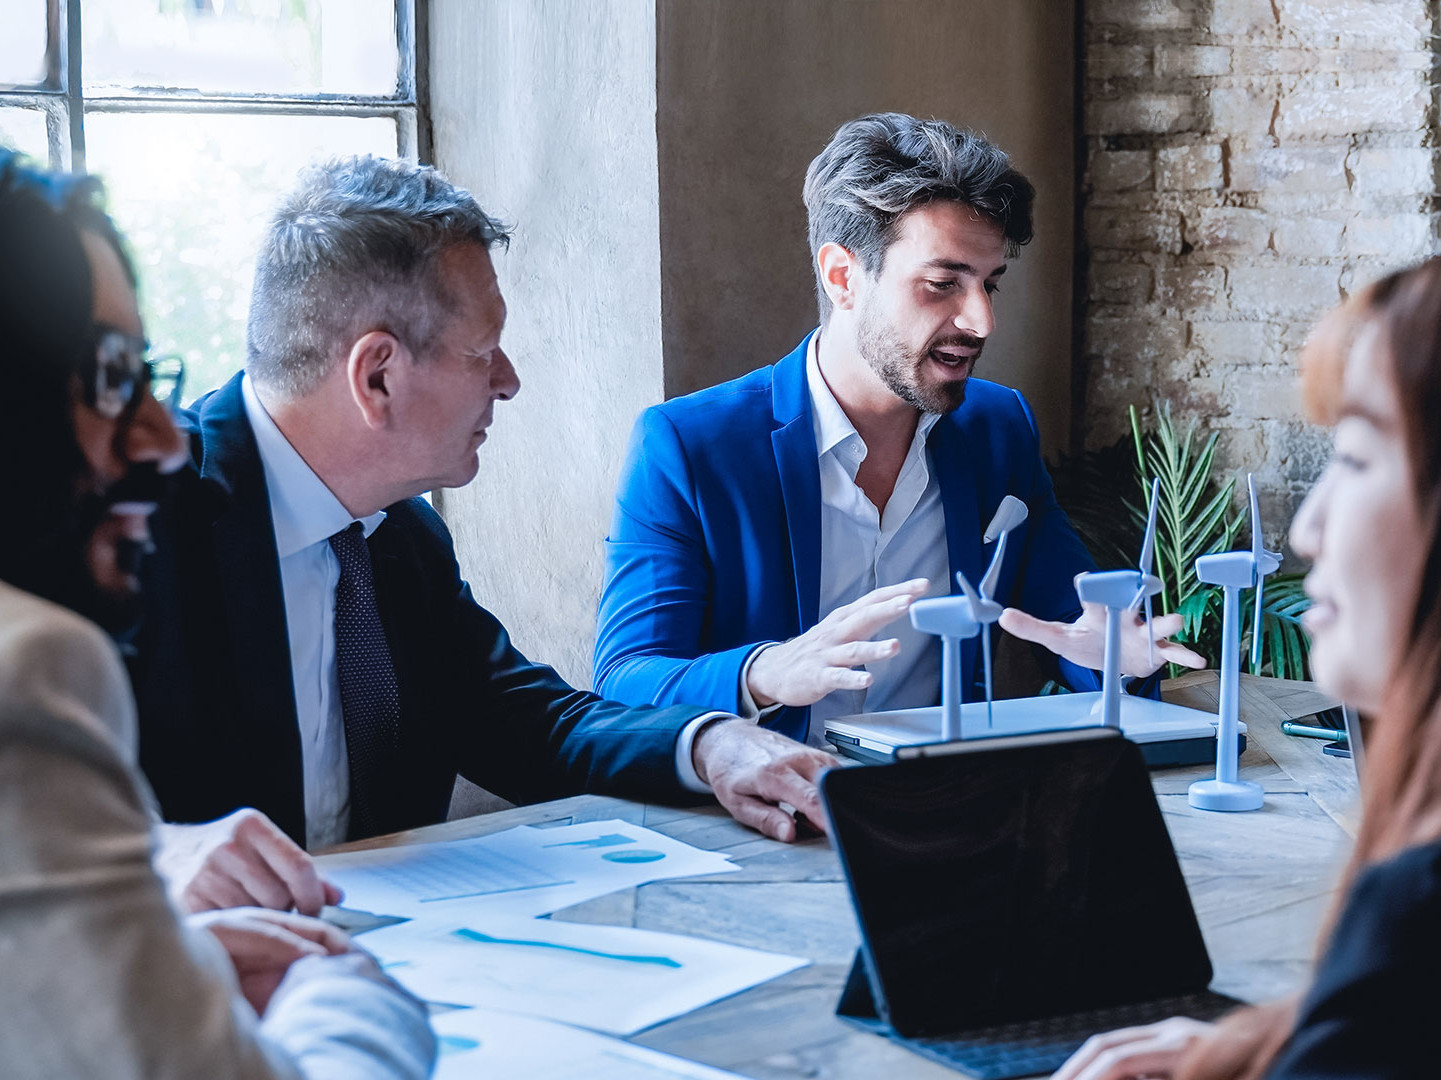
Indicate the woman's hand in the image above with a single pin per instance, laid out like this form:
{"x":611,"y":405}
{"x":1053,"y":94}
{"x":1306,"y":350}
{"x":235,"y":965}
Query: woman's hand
{"x":262,"y":944}
{"x":1151,"y":1051}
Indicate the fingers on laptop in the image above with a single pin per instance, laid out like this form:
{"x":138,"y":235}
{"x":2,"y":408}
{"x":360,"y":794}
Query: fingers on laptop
{"x":1151,"y":1051}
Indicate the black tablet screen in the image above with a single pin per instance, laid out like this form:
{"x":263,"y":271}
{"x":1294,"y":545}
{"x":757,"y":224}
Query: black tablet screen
{"x":1014,"y":883}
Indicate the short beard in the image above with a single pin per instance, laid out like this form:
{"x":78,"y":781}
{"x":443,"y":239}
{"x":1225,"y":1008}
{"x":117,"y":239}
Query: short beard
{"x":898,"y":366}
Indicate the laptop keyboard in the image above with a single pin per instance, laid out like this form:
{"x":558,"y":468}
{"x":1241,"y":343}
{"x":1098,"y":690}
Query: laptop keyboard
{"x":1039,"y":1047}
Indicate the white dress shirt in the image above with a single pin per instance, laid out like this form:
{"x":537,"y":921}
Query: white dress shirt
{"x":863,"y":549}
{"x":307,"y":514}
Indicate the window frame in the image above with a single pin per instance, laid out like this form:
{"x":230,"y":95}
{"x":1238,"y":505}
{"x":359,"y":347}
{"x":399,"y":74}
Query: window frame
{"x":62,"y":99}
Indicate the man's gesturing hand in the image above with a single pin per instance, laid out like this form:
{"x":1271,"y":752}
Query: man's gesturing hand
{"x":1083,"y":642}
{"x":753,"y":769}
{"x":805,"y":669}
{"x":242,"y":860}
{"x":263,"y":944}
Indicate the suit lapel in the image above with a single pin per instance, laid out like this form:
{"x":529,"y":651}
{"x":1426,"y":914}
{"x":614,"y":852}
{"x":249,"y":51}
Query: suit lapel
{"x":252,"y":602}
{"x":952,"y":457}
{"x":794,"y":444}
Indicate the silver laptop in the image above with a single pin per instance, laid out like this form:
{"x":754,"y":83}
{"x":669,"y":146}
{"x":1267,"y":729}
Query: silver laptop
{"x":1167,"y":734}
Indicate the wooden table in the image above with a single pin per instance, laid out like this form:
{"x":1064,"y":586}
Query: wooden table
{"x":1260,"y":883}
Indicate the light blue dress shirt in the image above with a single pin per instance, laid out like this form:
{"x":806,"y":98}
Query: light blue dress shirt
{"x":306,"y":515}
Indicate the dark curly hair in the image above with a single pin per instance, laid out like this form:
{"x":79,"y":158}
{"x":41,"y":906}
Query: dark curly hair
{"x":878,"y":167}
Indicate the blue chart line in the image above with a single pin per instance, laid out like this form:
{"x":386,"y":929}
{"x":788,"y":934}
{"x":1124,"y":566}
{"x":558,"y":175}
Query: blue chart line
{"x":608,"y":840}
{"x":486,"y":939}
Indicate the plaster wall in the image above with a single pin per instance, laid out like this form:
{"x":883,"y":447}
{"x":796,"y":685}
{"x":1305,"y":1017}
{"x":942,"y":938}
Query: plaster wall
{"x":751,"y":90}
{"x":545,"y":109}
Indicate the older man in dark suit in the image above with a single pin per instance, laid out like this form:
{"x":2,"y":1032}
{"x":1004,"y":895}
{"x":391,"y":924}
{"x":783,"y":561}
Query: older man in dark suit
{"x":328,"y":667}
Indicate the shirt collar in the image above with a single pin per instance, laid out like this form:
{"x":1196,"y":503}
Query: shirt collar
{"x":304,"y":510}
{"x":829,"y":421}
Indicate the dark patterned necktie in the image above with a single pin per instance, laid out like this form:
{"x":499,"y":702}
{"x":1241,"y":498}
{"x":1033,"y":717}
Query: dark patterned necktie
{"x":369,"y":698}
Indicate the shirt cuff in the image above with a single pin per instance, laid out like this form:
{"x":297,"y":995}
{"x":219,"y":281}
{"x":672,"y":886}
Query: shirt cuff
{"x":685,"y":742}
{"x":749,"y":710}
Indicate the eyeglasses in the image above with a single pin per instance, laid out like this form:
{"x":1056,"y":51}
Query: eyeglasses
{"x":123,"y":373}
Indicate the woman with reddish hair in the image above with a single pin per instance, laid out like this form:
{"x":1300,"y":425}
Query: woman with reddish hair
{"x":1372,"y":526}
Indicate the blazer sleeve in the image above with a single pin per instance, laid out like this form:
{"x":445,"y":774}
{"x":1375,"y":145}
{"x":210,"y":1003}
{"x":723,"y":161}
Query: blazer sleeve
{"x":1370,"y":1013}
{"x":101,"y":978}
{"x":522,"y":731}
{"x":657,"y":598}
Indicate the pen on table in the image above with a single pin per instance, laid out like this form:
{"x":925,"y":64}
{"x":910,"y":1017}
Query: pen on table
{"x":1290,"y":727}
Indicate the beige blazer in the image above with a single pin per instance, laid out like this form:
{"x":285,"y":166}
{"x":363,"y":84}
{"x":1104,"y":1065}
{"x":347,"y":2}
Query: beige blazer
{"x":99,"y":977}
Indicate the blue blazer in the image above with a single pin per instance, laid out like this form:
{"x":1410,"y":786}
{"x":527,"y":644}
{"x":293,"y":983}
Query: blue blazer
{"x":715,"y":544}
{"x":213,"y":680}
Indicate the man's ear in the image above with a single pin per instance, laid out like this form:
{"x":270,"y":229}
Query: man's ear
{"x":372,"y":372}
{"x":839,"y":271}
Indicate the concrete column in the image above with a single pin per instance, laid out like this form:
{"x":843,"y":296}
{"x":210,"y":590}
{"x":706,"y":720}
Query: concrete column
{"x":545,"y":109}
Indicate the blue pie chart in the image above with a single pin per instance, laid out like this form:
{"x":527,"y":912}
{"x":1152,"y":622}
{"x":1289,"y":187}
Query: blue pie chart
{"x":633,"y":856}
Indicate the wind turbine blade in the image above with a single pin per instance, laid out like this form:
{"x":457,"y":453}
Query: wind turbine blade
{"x":1008,"y":515}
{"x":986,"y":656}
{"x":1256,"y":549}
{"x":971,"y":594}
{"x":1150,"y":641}
{"x":1256,"y":627}
{"x":1148,"y":545}
{"x":993,"y":572}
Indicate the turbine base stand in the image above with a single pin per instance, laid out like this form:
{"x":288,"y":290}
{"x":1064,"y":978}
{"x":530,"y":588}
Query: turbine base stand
{"x":1233,"y":795}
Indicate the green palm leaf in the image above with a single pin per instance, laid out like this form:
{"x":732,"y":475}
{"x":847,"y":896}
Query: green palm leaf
{"x":1284,"y":645}
{"x":1193,"y":518}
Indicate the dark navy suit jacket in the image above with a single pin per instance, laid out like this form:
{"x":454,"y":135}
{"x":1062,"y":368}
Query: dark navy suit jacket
{"x":212,"y":671}
{"x":715,"y":545}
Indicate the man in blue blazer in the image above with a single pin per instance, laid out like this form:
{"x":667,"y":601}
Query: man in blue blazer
{"x":766,"y":529}
{"x":316,"y":668}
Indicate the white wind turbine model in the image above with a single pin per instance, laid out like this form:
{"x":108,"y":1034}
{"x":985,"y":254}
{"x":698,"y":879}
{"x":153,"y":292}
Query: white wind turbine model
{"x":956,"y":617}
{"x":1234,"y":571}
{"x":1122,"y":592}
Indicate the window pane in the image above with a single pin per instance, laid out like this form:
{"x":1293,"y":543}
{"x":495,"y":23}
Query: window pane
{"x":193,"y":195}
{"x":24,"y":130}
{"x":242,"y":46}
{"x":22,"y":42}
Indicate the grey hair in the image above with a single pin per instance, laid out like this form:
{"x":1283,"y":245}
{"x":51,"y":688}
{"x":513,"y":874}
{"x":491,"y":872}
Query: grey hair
{"x":878,"y":167}
{"x":352,"y":249}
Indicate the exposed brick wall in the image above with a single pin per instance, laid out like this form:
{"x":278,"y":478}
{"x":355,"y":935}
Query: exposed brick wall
{"x":1248,"y":163}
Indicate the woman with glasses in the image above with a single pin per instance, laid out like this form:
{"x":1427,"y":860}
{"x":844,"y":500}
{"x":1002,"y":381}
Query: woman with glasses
{"x":98,"y":975}
{"x":1372,"y":526}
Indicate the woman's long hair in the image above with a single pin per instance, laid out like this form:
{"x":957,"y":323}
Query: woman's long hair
{"x":46,"y":342}
{"x":1401,"y":788}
